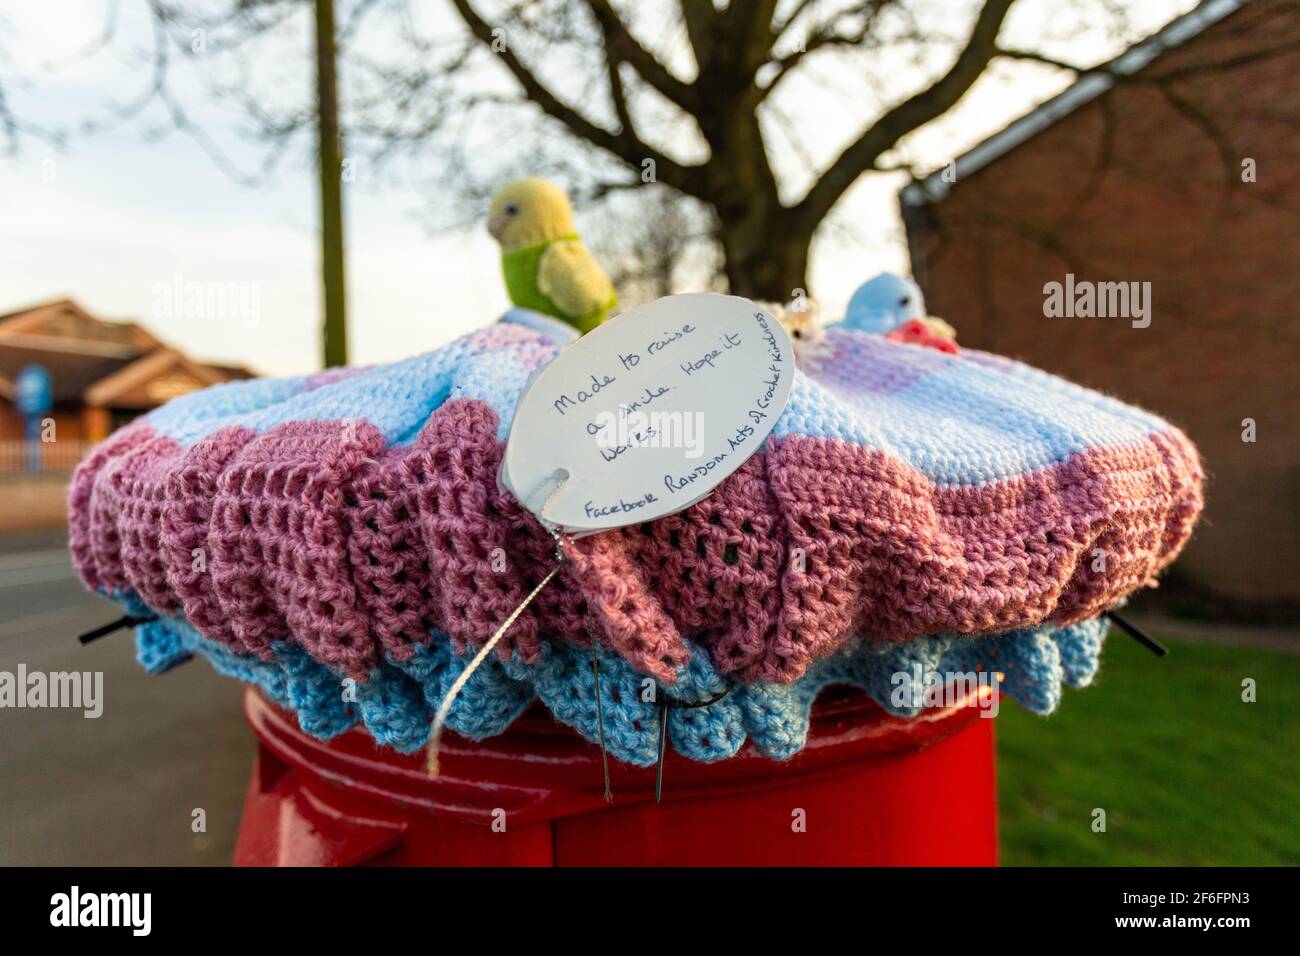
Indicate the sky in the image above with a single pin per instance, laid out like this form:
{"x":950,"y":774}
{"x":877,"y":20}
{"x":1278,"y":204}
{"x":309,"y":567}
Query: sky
{"x":154,"y":231}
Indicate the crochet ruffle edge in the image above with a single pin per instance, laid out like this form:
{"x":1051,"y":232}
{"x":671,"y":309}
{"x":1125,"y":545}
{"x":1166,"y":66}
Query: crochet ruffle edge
{"x":397,"y":703}
{"x":353,"y":550}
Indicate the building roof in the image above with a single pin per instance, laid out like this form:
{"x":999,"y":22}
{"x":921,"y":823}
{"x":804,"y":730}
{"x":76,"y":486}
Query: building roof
{"x":97,"y":362}
{"x":1088,"y":87}
{"x":71,"y":372}
{"x":65,"y":319}
{"x":150,"y":380}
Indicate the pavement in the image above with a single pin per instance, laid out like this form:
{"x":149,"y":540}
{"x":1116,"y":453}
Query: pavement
{"x":122,"y":788}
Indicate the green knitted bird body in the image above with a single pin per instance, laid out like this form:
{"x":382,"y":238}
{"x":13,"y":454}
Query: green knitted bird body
{"x":520,"y":269}
{"x":546,"y":266}
{"x":550,"y":277}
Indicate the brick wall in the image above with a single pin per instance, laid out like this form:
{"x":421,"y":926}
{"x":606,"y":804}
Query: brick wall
{"x":1144,"y":185}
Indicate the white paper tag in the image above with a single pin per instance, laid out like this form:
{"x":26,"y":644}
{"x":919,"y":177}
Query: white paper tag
{"x":649,"y":412}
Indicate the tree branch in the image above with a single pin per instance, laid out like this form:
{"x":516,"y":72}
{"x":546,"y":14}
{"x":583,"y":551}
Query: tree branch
{"x":780,"y":28}
{"x":748,"y":26}
{"x":1033,"y":56}
{"x":1155,"y":76}
{"x":616,"y":91}
{"x":912,"y":113}
{"x":624,"y":144}
{"x":1228,"y":155}
{"x":825,"y":36}
{"x":701,"y":18}
{"x":620,"y":40}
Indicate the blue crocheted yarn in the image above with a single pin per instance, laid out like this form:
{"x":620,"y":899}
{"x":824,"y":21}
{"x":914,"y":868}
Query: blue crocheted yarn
{"x":397,"y":703}
{"x":962,"y":421}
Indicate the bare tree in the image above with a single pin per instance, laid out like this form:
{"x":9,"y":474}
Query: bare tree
{"x":15,"y":124}
{"x":735,"y":59}
{"x":694,"y":95}
{"x":759,"y":114}
{"x":654,"y":243}
{"x":698,"y":95}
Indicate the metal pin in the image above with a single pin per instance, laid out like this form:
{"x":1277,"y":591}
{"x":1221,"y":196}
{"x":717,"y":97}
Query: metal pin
{"x":105,"y":629}
{"x":1142,"y":637}
{"x":663,"y":743}
{"x":664,"y":704}
{"x":689,"y":705}
{"x":600,"y":722}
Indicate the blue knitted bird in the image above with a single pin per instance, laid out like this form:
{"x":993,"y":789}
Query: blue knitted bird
{"x":883,"y":304}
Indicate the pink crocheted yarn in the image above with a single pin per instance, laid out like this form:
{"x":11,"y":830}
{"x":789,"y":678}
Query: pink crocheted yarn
{"x":316,"y":533}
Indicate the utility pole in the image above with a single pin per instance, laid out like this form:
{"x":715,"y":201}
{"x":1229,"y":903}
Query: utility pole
{"x":331,"y":188}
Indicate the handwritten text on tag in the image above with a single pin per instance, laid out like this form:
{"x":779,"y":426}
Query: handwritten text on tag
{"x":648,"y":413}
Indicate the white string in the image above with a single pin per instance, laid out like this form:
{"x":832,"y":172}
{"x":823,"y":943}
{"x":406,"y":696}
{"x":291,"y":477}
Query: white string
{"x":440,"y":719}
{"x":467,"y":673}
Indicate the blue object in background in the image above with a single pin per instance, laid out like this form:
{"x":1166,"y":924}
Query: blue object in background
{"x":35,"y":400}
{"x":883,"y":304}
{"x":35,"y":391}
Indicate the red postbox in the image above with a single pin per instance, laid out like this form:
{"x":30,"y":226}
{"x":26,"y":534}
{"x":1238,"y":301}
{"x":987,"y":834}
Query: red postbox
{"x":868,"y":789}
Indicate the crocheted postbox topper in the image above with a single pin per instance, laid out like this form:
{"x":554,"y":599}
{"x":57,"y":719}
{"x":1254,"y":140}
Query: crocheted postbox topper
{"x":911,"y":505}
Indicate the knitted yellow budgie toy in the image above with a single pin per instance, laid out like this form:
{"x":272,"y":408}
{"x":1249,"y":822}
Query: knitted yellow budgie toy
{"x":546,"y":266}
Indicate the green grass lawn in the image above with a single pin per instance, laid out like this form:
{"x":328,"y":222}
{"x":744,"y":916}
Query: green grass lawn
{"x":1186,"y":772}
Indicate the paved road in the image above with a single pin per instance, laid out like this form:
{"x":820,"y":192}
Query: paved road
{"x":122,"y":788}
